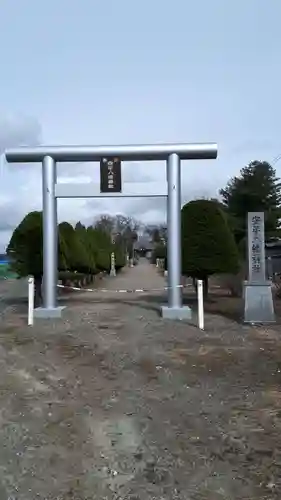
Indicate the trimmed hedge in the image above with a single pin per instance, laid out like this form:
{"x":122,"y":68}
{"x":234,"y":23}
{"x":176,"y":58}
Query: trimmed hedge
{"x":82,"y":252}
{"x":208,"y":245}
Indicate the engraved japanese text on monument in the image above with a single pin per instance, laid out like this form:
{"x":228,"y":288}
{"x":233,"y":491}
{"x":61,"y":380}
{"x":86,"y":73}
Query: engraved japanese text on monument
{"x":256,"y":247}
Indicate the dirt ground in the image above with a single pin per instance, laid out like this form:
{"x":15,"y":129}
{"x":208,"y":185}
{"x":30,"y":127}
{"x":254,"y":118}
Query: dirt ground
{"x":112,"y":402}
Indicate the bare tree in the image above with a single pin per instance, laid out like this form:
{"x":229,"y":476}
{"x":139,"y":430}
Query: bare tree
{"x":124,"y":223}
{"x":157,"y":233}
{"x":126,"y":228}
{"x":118,"y":224}
{"x":123,"y":229}
{"x":105,"y":223}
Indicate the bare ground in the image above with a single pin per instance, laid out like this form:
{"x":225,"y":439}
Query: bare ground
{"x":112,"y":402}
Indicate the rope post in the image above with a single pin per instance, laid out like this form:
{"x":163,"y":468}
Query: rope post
{"x":30,"y":320}
{"x":200,"y":304}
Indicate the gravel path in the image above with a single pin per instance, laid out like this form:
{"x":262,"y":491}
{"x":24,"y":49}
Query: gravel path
{"x":112,"y":402}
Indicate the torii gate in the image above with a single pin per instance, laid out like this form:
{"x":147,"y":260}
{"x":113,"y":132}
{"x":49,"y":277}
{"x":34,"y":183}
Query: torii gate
{"x":50,"y":155}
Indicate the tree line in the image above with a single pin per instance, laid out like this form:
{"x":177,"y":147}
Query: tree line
{"x":214,"y":231}
{"x":82,"y":251}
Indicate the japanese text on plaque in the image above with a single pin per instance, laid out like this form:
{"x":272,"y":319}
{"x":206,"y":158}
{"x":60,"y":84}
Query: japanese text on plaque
{"x":110,"y":175}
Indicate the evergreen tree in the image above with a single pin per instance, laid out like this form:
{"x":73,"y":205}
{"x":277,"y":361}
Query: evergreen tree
{"x":257,"y":188}
{"x":208,"y":245}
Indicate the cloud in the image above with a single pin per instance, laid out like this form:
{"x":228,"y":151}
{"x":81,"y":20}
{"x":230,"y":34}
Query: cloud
{"x":260,"y":146}
{"x":21,"y":183}
{"x":8,"y":210}
{"x":19,"y":131}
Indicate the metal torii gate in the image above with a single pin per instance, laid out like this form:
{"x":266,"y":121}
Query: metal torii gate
{"x":50,"y":155}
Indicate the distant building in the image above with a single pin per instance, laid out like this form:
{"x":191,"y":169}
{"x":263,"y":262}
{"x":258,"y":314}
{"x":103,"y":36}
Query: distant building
{"x":143,"y":247}
{"x":273,"y":257}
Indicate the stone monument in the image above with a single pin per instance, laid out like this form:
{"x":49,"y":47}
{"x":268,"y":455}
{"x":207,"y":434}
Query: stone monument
{"x":258,"y":307}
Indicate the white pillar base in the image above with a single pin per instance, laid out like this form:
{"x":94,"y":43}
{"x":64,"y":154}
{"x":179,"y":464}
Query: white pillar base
{"x":48,"y":312}
{"x":180,"y":313}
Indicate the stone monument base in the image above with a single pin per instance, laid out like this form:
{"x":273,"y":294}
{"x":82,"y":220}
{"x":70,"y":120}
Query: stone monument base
{"x":258,"y":303}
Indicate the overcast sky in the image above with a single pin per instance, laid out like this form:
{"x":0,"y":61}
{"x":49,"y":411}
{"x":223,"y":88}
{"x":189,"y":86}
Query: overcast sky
{"x":121,"y":71}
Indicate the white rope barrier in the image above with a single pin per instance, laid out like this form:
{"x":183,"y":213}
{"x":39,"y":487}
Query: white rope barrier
{"x":31,"y":290}
{"x":108,"y":290}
